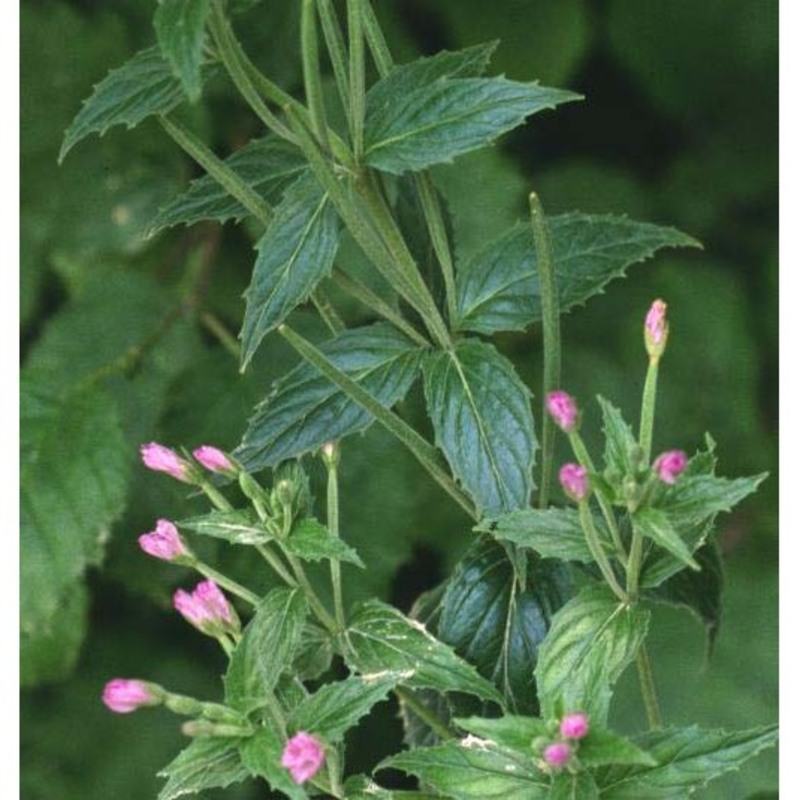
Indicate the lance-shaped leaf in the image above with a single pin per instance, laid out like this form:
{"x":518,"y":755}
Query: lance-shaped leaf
{"x":687,"y":758}
{"x":472,"y":769}
{"x":261,"y":755}
{"x":294,"y":255}
{"x":620,"y":441}
{"x":380,"y":638}
{"x":237,"y":527}
{"x":204,"y":764}
{"x":180,"y":28}
{"x":336,"y":707}
{"x":310,"y":540}
{"x":268,"y":165}
{"x":141,"y":87}
{"x":592,"y":639}
{"x":436,"y":122}
{"x":268,"y":646}
{"x":305,"y":410}
{"x":551,"y":532}
{"x":514,"y":732}
{"x":580,"y":786}
{"x":482,"y":419}
{"x":498,"y":289}
{"x":654,"y":524}
{"x":601,"y":747}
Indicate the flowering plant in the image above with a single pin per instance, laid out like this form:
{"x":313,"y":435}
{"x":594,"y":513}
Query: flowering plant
{"x":524,"y":710}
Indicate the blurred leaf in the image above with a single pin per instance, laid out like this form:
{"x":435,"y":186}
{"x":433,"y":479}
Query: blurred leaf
{"x":310,"y":540}
{"x":592,"y":639}
{"x":654,"y":524}
{"x":268,"y":165}
{"x":268,"y":646}
{"x":687,"y":758}
{"x":473,"y":770}
{"x":498,"y":289}
{"x":434,"y":123}
{"x":482,"y":418}
{"x":204,"y":764}
{"x":180,"y":28}
{"x":514,"y":732}
{"x":380,"y":637}
{"x":567,"y":786}
{"x":295,"y":253}
{"x":304,"y":410}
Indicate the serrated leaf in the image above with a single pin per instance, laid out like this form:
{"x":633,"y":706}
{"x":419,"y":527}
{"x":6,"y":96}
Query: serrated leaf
{"x":314,"y":654}
{"x":482,"y":419}
{"x":498,"y":289}
{"x":551,"y":532}
{"x":592,"y":639}
{"x":267,"y":165}
{"x":261,"y":754}
{"x":471,"y":769}
{"x":687,"y":759}
{"x":295,"y":253}
{"x":601,"y":747}
{"x":512,"y":731}
{"x":336,"y":707}
{"x":580,"y":786}
{"x":491,"y":621}
{"x":268,"y":646}
{"x":73,"y":482}
{"x":654,"y":524}
{"x":141,"y":87}
{"x":380,"y":638}
{"x":620,"y":441}
{"x":237,"y":527}
{"x":204,"y":764}
{"x":434,"y":123}
{"x":305,"y":410}
{"x":310,"y":540}
{"x":180,"y":28}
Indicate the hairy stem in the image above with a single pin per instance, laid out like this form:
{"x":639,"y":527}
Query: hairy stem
{"x":648,"y":688}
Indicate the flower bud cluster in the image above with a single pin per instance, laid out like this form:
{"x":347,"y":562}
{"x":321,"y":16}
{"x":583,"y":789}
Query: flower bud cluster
{"x":572,"y":728}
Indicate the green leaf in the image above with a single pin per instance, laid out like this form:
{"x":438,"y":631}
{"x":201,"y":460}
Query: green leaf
{"x":73,"y":483}
{"x":620,"y":441}
{"x":237,"y":527}
{"x":498,"y":625}
{"x":436,"y":122}
{"x":295,"y":253}
{"x":567,"y":786}
{"x":268,"y":647}
{"x":514,"y":732}
{"x":129,"y":94}
{"x":687,"y":759}
{"x":305,"y":410}
{"x":380,"y":638}
{"x":314,"y":655}
{"x":471,"y":769}
{"x":654,"y":524}
{"x":268,"y":165}
{"x":551,"y":532}
{"x":592,"y":639}
{"x":601,"y":747}
{"x":336,"y":707}
{"x":261,"y":754}
{"x":498,"y":289}
{"x":310,"y":540}
{"x":482,"y":419}
{"x":180,"y":28}
{"x":204,"y":764}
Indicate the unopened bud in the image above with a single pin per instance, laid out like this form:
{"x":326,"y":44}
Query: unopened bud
{"x":563,"y":409}
{"x":162,"y":459}
{"x":214,"y":460}
{"x":668,"y":466}
{"x":123,"y":696}
{"x":201,"y":728}
{"x":574,"y":726}
{"x":574,"y":481}
{"x":207,"y":609}
{"x":656,"y":329}
{"x":557,"y":754}
{"x":164,"y":542}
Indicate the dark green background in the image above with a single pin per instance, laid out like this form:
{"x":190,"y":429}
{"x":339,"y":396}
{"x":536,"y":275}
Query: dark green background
{"x":679,"y":127}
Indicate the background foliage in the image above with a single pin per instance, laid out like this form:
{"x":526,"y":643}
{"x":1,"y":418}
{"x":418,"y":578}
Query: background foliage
{"x":115,"y":351}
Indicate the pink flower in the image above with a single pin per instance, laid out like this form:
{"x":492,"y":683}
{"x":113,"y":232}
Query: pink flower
{"x":164,"y":542}
{"x":206,"y":608}
{"x":656,"y":328}
{"x":574,"y":481}
{"x":670,"y":465}
{"x":574,"y":726}
{"x":213,"y":459}
{"x":563,"y":410}
{"x":303,"y":755}
{"x":557,"y":754}
{"x":123,"y":696}
{"x":161,"y":459}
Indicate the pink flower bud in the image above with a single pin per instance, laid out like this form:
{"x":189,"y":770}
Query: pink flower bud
{"x":213,"y":459}
{"x":206,"y":608}
{"x":161,"y":459}
{"x":574,"y":726}
{"x":123,"y":696}
{"x":656,"y":329}
{"x":164,"y":542}
{"x":670,"y":465}
{"x":574,"y":481}
{"x":557,"y":754}
{"x":303,"y":755}
{"x":563,"y":410}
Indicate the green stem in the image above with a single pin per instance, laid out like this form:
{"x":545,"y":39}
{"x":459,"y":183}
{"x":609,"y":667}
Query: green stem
{"x":648,"y":410}
{"x":634,"y":564}
{"x":215,"y":496}
{"x":334,"y":40}
{"x":424,"y":452}
{"x":226,"y":583}
{"x":552,"y":337}
{"x":425,"y":714}
{"x":274,"y":561}
{"x":327,"y":311}
{"x":376,"y":40}
{"x":596,"y":549}
{"x":648,"y":688}
{"x":312,"y":78}
{"x":316,"y":604}
{"x":357,"y":79}
{"x":222,"y":334}
{"x":333,"y":529}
